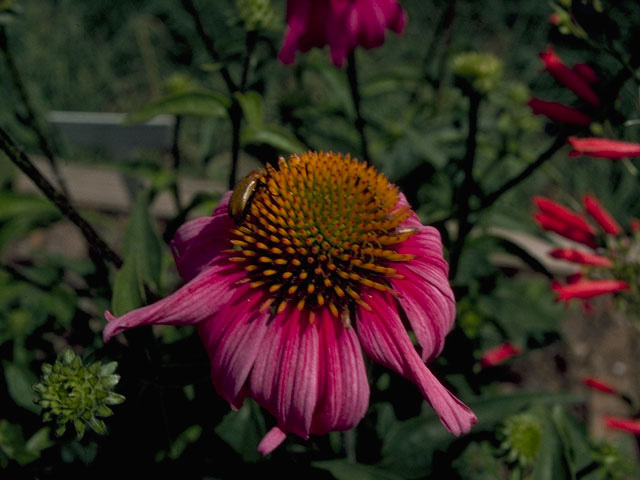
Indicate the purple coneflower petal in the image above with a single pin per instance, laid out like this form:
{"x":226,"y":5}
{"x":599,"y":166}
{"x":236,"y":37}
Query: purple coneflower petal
{"x":198,"y":242}
{"x":233,"y":339}
{"x":196,"y":301}
{"x":344,"y":390}
{"x":284,"y":379}
{"x":385,"y":340}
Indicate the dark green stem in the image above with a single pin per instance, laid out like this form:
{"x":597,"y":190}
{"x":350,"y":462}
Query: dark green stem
{"x":352,"y":75}
{"x":463,"y":193}
{"x":31,"y":119}
{"x":175,"y":153}
{"x":208,"y":43}
{"x":235,"y":114}
{"x":22,"y":161}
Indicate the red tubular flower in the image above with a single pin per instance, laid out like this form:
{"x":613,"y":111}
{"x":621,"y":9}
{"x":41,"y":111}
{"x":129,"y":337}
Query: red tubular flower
{"x":583,"y":258}
{"x":587,"y":289}
{"x":342,"y":24}
{"x":603,"y":148}
{"x":600,"y":215}
{"x":558,"y":112}
{"x":500,"y":354}
{"x":559,"y":219}
{"x":567,"y":77}
{"x":619,"y":423}
{"x":324,"y":262}
{"x":586,"y":72}
{"x":634,"y":225}
{"x":598,"y":384}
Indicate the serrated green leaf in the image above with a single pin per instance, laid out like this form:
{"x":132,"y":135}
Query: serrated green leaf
{"x":199,"y":103}
{"x":346,"y":470}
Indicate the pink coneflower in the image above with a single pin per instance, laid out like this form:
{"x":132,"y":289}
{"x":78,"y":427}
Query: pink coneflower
{"x":597,"y":384}
{"x":626,"y":424}
{"x":567,"y":77}
{"x":342,"y":24}
{"x":499,"y":354}
{"x":327,"y":260}
{"x":558,"y":112}
{"x":603,"y":148}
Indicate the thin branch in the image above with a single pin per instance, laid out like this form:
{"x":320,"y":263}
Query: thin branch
{"x":22,"y":161}
{"x":252,"y":39}
{"x":31,"y":119}
{"x":208,"y":43}
{"x":352,"y":75}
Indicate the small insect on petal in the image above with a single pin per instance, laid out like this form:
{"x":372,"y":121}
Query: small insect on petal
{"x":242,"y":195}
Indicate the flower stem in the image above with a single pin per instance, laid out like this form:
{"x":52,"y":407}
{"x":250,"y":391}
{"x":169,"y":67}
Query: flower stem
{"x":22,"y":161}
{"x":175,"y":153}
{"x":31,"y":119}
{"x":209,"y":43}
{"x":352,"y":75}
{"x":463,"y":193}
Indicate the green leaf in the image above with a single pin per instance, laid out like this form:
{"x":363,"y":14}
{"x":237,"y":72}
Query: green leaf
{"x":252,"y":107}
{"x":143,"y":242}
{"x":199,"y":103}
{"x":343,"y":469}
{"x":408,"y":446}
{"x":189,"y":436}
{"x":242,"y":430}
{"x":19,"y":381}
{"x":278,"y":137}
{"x":39,"y":441}
{"x":551,"y":461}
{"x":128,"y":288}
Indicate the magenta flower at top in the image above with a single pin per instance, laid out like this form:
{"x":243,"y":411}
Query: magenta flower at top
{"x":341,"y":24}
{"x":322,"y":259}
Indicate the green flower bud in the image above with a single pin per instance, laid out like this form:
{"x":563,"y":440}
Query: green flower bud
{"x":522,"y":435}
{"x":482,"y":70}
{"x":256,"y":14}
{"x":70,"y":391}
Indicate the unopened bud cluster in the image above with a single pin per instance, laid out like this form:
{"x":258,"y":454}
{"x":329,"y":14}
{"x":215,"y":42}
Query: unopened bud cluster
{"x":522,"y":434}
{"x":256,"y":14}
{"x":70,"y":391}
{"x":482,"y":70}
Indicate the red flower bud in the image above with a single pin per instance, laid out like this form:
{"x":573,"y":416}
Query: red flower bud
{"x":598,"y":384}
{"x":600,"y":215}
{"x":583,"y":258}
{"x":558,"y":112}
{"x":587,"y":289}
{"x":500,"y":354}
{"x":635,"y":225}
{"x":559,"y":219}
{"x":585,"y":72}
{"x":603,"y":148}
{"x":627,"y":424}
{"x":567,"y":77}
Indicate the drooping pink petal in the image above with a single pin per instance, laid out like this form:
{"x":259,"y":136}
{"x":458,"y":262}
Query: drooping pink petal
{"x":305,"y":28}
{"x":196,"y":301}
{"x":272,"y":440}
{"x":343,"y":390}
{"x":284,"y":378}
{"x":198,"y":242}
{"x":386,"y":341}
{"x":233,"y":339}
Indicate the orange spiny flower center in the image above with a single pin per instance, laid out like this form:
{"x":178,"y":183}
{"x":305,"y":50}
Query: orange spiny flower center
{"x":317,"y":229}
